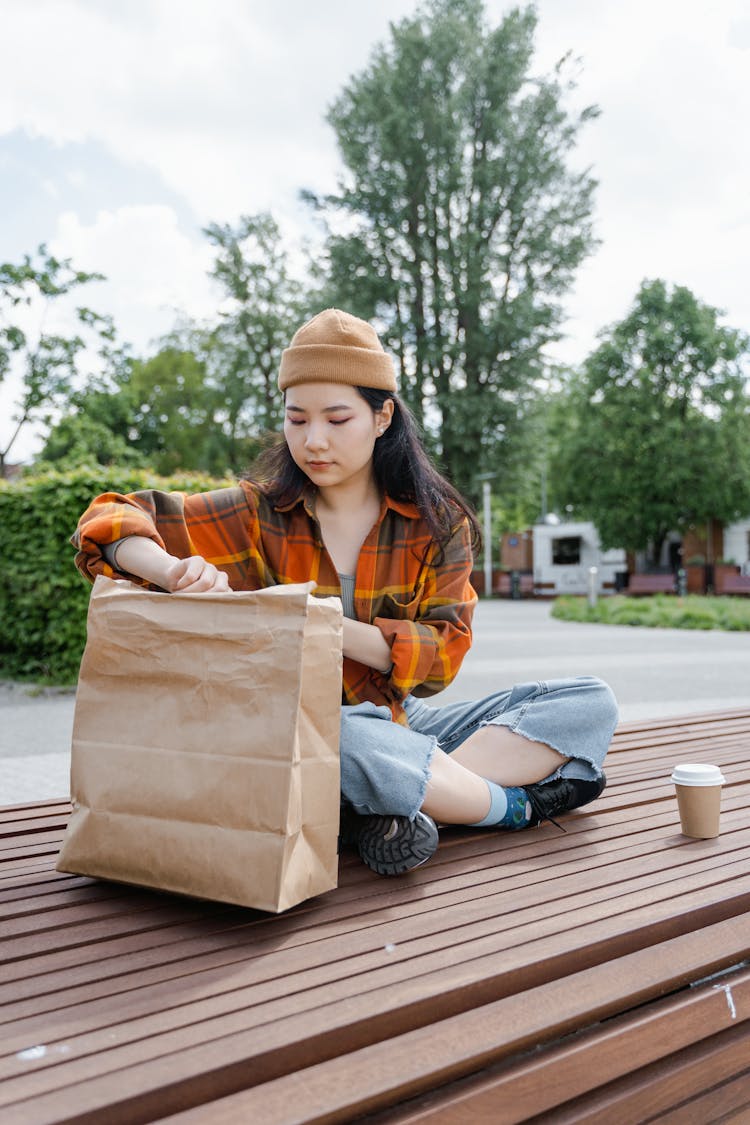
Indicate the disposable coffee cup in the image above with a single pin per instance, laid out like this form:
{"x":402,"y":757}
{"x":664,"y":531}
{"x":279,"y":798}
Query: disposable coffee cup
{"x":698,"y":790}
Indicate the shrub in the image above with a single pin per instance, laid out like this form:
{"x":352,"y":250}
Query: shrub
{"x":43,"y":597}
{"x":660,"y":611}
{"x":733,"y":613}
{"x":631,"y":613}
{"x":570,"y":608}
{"x":695,"y":617}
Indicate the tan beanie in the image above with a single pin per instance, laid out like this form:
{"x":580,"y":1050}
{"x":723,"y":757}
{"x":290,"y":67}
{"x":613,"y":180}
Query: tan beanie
{"x":336,"y":347}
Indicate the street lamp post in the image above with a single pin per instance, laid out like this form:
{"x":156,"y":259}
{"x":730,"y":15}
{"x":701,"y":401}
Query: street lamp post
{"x":486,"y":495}
{"x":485,"y":478}
{"x":592,"y":586}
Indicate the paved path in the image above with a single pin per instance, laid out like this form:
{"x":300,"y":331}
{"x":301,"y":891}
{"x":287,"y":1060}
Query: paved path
{"x":654,"y":673}
{"x":35,"y":730}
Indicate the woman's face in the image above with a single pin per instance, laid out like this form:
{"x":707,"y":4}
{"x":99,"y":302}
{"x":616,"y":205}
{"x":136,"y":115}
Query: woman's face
{"x":331,"y":432}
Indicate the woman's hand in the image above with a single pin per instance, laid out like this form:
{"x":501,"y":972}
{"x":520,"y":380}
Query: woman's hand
{"x":194,"y":576}
{"x":144,"y":557}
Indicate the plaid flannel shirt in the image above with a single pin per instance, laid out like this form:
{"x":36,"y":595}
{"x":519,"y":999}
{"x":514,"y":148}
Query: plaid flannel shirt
{"x":422,"y":603}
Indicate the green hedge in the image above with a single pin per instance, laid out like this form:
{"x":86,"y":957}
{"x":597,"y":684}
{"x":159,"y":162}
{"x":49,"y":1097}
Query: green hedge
{"x":660,"y":611}
{"x":43,"y":597}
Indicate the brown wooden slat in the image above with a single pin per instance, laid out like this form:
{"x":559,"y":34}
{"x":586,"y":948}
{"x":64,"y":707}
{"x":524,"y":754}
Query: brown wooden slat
{"x":630,"y":761}
{"x":660,"y":728}
{"x":165,"y":912}
{"x":433,"y":931}
{"x":47,"y":843}
{"x":686,"y":727}
{"x":105,"y":976}
{"x":666,"y":853}
{"x":241,"y":953}
{"x":480,"y":841}
{"x":728,"y":1104}
{"x":667,"y":751}
{"x":468,"y":1042}
{"x":42,"y":883}
{"x":154,"y":1003}
{"x":672,"y":742}
{"x":67,"y":892}
{"x":35,"y":809}
{"x":653,"y":761}
{"x":345,"y":1013}
{"x":515,"y":1092}
{"x":376,"y":1077}
{"x":38,"y":914}
{"x":44,"y":864}
{"x":663,"y":1086}
{"x":119,"y":951}
{"x":698,"y":720}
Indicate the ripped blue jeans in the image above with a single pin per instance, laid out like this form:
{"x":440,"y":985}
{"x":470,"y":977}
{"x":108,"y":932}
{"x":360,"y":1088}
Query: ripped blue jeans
{"x":385,"y":767}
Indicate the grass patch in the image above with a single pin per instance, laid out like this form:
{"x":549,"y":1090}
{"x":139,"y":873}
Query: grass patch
{"x":659,"y":611}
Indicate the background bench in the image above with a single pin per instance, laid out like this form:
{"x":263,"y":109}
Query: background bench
{"x":733,"y":584}
{"x":595,"y":975}
{"x":504,"y":586}
{"x":650,"y":584}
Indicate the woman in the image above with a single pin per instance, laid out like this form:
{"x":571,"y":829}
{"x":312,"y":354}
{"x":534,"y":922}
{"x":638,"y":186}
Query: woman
{"x":350,"y":500}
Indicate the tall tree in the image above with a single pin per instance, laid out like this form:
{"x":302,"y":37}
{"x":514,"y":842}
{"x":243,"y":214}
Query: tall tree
{"x":263,"y":307}
{"x":659,"y":423}
{"x":174,"y":422}
{"x":208,"y":396}
{"x":458,"y":222}
{"x":160,"y":411}
{"x":47,"y":361}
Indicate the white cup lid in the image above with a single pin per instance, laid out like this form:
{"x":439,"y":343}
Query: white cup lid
{"x":694,"y":773}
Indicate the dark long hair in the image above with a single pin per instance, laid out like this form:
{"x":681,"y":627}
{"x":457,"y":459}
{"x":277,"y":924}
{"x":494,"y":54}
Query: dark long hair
{"x":402,"y":469}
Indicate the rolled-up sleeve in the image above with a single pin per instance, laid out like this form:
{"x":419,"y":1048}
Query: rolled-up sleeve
{"x":430,"y":636}
{"x":114,"y":516}
{"x":217,"y":525}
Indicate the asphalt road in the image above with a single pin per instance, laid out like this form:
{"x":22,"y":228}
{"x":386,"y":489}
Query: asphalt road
{"x":655,"y":673}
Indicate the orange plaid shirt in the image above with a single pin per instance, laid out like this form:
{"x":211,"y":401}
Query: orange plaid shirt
{"x":422,"y":604}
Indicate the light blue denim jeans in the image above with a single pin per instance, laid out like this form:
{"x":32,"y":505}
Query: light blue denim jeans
{"x":385,"y":767}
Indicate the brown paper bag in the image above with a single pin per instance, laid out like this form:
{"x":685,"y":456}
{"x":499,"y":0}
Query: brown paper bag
{"x":205,"y":743}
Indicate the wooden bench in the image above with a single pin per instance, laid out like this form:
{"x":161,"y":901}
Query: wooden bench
{"x":599,"y":975}
{"x":733,"y":584}
{"x":639,"y":584}
{"x":504,"y":585}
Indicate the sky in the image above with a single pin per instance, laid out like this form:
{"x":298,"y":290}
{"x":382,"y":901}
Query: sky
{"x":125,"y":128}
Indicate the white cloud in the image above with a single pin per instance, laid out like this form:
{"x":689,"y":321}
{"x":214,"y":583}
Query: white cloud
{"x":225,"y":103}
{"x":668,"y":151}
{"x":218,"y":97}
{"x":153,"y":269}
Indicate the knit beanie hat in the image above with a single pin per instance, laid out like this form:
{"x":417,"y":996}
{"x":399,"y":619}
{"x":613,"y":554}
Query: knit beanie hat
{"x":336,"y":347}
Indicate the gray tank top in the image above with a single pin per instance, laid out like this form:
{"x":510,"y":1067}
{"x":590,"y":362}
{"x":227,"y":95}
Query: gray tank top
{"x":347,"y":595}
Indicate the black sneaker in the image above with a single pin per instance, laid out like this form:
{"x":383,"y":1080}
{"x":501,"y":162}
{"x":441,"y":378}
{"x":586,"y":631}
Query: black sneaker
{"x":349,"y":826}
{"x":392,"y":845}
{"x":563,"y":795}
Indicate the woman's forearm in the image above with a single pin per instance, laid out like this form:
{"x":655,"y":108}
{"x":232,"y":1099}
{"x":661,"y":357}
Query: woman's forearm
{"x":367,"y":645}
{"x":146,"y":559}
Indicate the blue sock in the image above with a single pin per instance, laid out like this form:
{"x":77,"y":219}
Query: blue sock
{"x":509,"y":807}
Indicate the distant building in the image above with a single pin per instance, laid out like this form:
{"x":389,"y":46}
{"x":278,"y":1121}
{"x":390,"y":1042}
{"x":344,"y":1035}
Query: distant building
{"x":737,"y":544}
{"x":564,"y":554}
{"x":556,"y":558}
{"x":709,"y":543}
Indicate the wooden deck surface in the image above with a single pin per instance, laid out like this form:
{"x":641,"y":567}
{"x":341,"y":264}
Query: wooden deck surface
{"x":598,"y":975}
